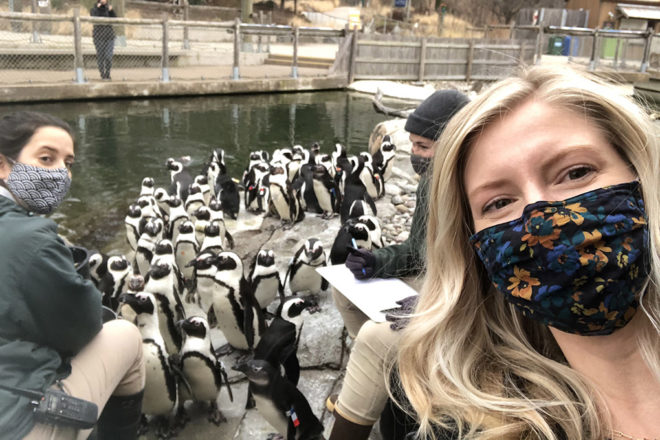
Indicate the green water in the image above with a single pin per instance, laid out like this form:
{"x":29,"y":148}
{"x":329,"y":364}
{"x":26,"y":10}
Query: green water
{"x":120,"y":142}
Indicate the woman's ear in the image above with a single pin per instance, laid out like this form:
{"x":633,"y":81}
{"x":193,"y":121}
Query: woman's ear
{"x":5,"y":168}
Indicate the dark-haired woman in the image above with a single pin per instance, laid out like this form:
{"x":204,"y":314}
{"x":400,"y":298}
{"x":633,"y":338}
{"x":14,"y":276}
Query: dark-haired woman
{"x":51,"y":332}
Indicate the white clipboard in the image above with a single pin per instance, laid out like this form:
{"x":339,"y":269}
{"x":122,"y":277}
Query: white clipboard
{"x":371,"y":296}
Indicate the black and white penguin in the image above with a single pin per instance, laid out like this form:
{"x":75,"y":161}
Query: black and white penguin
{"x":98,"y":272}
{"x":152,"y":234}
{"x":178,"y":215}
{"x":353,"y":234}
{"x":279,"y":343}
{"x":282,"y":156}
{"x":304,"y":187}
{"x":339,"y":156}
{"x":212,"y":240}
{"x":195,"y":199}
{"x":356,"y":200}
{"x":265,"y":278}
{"x":148,"y":206}
{"x":217,"y":215}
{"x":283,"y":197}
{"x":161,"y":196}
{"x":185,"y":249}
{"x":326,"y":191}
{"x":132,"y":222}
{"x":228,"y":195}
{"x":161,"y":282}
{"x":201,"y":219}
{"x":204,"y":270}
{"x":280,"y":402}
{"x":160,"y":388}
{"x":371,"y":180}
{"x":375,"y":232}
{"x":119,"y":269}
{"x":326,"y":161}
{"x":383,"y":159}
{"x":204,"y":185}
{"x":256,"y":188}
{"x":237,"y":311}
{"x":302,"y":275}
{"x":180,"y":178}
{"x":147,"y":187}
{"x":200,"y":367}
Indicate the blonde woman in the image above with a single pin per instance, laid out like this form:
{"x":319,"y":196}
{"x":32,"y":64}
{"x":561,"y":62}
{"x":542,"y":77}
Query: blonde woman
{"x":539,"y":316}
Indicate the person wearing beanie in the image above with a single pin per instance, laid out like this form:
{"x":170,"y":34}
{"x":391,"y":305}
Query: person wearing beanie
{"x":364,"y":393}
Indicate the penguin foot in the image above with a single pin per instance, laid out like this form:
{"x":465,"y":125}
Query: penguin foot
{"x":274,"y":436}
{"x":250,"y":403}
{"x":224,"y":350}
{"x":215,"y":415}
{"x":181,"y":419}
{"x":163,"y":429}
{"x":143,"y":428}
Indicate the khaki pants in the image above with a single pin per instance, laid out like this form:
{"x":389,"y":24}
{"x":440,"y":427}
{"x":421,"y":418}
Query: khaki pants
{"x":111,"y":364}
{"x":364,"y":393}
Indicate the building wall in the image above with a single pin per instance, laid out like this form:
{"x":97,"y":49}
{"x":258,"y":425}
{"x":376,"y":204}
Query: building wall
{"x":593,"y":6}
{"x":598,"y":9}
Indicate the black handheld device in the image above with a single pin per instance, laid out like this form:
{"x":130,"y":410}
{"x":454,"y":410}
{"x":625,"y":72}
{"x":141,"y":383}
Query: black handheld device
{"x":56,"y":407}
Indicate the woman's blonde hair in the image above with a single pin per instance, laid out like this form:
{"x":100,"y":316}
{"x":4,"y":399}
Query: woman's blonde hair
{"x":468,"y":360}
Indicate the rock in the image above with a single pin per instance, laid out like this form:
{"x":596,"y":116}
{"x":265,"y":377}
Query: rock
{"x":402,"y":208}
{"x":403,"y":236}
{"x":393,"y":189}
{"x":397,"y":200}
{"x":398,"y":135}
{"x":411,"y":203}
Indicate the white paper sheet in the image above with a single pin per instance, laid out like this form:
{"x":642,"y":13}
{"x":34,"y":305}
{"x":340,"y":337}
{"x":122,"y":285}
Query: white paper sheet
{"x":371,"y":296}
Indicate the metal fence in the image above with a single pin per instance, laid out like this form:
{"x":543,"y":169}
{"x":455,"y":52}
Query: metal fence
{"x":41,"y":48}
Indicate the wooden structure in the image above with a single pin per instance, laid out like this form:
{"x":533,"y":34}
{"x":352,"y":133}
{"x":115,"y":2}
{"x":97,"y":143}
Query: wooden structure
{"x":419,"y":59}
{"x":603,"y":13}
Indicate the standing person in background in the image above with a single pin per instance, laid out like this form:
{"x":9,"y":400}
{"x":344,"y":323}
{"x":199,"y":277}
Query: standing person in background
{"x":51,"y":333}
{"x":364,"y":392}
{"x":104,"y":37}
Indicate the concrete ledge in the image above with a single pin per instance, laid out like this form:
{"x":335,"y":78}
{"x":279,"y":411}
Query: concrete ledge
{"x":109,"y":90}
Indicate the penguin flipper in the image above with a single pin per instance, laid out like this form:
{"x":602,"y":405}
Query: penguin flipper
{"x":175,"y":366}
{"x":223,"y":373}
{"x":230,"y":239}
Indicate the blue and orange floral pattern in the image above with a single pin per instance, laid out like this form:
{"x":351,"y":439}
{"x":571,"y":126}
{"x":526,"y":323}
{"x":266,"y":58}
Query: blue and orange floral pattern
{"x":577,"y":265}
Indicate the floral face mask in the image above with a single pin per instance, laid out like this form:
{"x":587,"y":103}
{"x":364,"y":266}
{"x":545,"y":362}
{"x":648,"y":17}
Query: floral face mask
{"x":577,"y":265}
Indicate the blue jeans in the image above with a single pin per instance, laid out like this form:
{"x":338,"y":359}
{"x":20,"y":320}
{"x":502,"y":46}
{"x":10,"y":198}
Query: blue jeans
{"x":104,"y":50}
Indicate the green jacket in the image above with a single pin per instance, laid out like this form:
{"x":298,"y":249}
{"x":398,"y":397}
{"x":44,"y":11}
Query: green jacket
{"x":48,"y":312}
{"x":407,"y":258}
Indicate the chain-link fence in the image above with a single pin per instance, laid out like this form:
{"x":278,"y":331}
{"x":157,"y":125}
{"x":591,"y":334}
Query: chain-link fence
{"x":40,"y":48}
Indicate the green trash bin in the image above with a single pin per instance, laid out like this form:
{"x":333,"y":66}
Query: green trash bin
{"x":555,"y":44}
{"x":609,"y":47}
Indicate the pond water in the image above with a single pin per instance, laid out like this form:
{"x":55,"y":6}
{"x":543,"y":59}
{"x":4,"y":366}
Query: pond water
{"x":120,"y":142}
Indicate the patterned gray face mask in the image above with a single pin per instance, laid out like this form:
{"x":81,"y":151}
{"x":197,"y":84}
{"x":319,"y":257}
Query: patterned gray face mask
{"x":41,"y":190}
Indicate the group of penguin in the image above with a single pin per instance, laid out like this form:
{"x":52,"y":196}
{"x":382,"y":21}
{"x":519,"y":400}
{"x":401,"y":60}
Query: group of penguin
{"x":181,"y":278}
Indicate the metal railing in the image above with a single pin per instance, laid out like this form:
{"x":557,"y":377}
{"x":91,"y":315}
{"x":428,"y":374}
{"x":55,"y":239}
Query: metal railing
{"x":47,"y":48}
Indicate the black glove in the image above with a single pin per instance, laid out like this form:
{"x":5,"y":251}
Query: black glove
{"x":361,"y":263}
{"x":400,"y":316}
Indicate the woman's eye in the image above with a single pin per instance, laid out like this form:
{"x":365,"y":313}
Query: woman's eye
{"x":497,"y":204}
{"x":68,"y":165}
{"x":45,"y":159}
{"x":578,"y":172}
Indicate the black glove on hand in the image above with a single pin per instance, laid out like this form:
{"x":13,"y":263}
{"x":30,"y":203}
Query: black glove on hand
{"x":400,"y":316}
{"x":361,"y":263}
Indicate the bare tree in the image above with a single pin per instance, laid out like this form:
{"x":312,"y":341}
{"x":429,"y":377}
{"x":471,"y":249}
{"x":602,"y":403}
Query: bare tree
{"x":481,"y":12}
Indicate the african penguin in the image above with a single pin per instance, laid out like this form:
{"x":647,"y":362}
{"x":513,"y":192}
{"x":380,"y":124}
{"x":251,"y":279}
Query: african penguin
{"x":132,"y":222}
{"x":280,"y":402}
{"x":119,"y":268}
{"x":204,"y":372}
{"x":178,"y":215}
{"x":180,"y":177}
{"x":352,"y":234}
{"x":237,"y":311}
{"x":185,"y":249}
{"x":201,"y":218}
{"x":147,"y":187}
{"x":373,"y":224}
{"x":212,"y":240}
{"x":279,"y":343}
{"x":283,"y":197}
{"x":227,"y":193}
{"x":195,"y":198}
{"x":204,"y":270}
{"x":326,"y":191}
{"x":204,"y":186}
{"x":383,"y":159}
{"x":265,"y":278}
{"x":160,"y":281}
{"x":302,"y":275}
{"x":151,"y":234}
{"x":160,"y":388}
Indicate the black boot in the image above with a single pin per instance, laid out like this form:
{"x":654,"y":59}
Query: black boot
{"x":120,"y":418}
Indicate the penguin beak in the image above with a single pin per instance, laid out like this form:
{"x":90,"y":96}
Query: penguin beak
{"x":242,"y":367}
{"x":179,"y":323}
{"x":191,"y":263}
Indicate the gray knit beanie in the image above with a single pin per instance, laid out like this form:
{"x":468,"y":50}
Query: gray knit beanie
{"x":430,"y":117}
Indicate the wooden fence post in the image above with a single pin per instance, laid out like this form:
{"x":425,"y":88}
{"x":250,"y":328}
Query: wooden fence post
{"x":470,"y":57}
{"x":77,"y":48}
{"x":422,"y":59}
{"x":237,"y":48}
{"x":647,"y":51}
{"x":294,"y":62}
{"x":353,"y":53}
{"x":165,"y":59}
